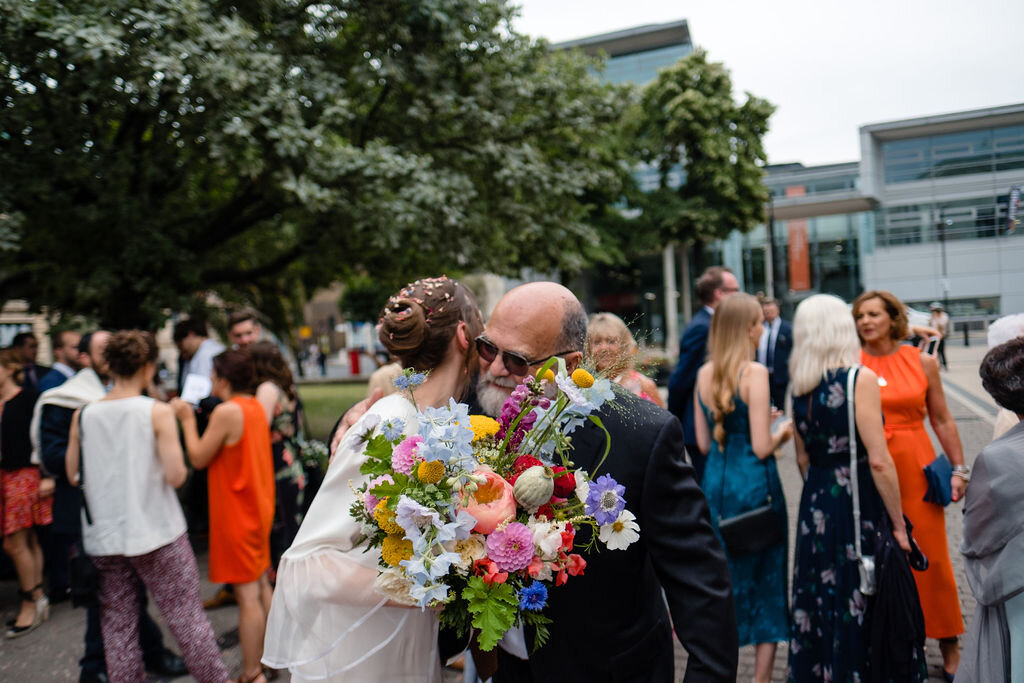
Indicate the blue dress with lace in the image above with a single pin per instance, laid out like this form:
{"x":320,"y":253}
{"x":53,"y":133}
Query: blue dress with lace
{"x":736,"y":481}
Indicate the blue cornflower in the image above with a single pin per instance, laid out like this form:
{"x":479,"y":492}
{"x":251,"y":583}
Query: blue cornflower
{"x":533,"y":597}
{"x":402,"y":382}
{"x":393,"y":429}
{"x":605,"y":500}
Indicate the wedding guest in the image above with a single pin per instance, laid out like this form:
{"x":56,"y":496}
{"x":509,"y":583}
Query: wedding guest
{"x":773,"y":350}
{"x":911,"y":388}
{"x":993,"y":542}
{"x":65,"y":364}
{"x":26,"y":346}
{"x":244,"y":328}
{"x":611,"y":347}
{"x":1001,"y":331}
{"x":275,"y":391}
{"x":829,"y":626}
{"x":732,"y":407}
{"x":133,"y":526}
{"x":26,"y":499}
{"x":236,"y":449}
{"x":712,"y":286}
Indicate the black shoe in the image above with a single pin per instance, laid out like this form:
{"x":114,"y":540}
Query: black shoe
{"x":167,"y":665}
{"x":100,"y":677}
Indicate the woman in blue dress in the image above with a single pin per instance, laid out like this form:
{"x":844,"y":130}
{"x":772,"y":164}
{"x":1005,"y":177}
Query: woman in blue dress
{"x":733,"y":394}
{"x":829,"y":634}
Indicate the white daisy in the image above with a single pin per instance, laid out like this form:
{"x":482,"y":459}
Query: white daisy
{"x":621,"y":533}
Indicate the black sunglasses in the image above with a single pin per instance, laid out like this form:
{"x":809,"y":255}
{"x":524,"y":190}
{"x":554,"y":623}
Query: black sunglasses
{"x":515,"y":363}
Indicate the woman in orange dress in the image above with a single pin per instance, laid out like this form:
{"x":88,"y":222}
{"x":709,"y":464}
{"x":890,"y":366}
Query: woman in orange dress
{"x":236,"y":448}
{"x":910,"y":387}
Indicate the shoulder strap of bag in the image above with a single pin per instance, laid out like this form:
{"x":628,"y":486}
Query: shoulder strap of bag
{"x":851,"y":381}
{"x":81,"y":465}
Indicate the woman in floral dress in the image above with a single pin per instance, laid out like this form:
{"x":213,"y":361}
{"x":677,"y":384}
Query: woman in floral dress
{"x":829,"y":635}
{"x":276,"y":393}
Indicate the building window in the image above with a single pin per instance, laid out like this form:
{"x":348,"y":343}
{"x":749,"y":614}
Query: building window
{"x":953,"y":154}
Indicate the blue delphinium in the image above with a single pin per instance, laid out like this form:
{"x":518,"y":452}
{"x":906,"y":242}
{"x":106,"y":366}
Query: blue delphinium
{"x":392,"y":429}
{"x":533,"y":597}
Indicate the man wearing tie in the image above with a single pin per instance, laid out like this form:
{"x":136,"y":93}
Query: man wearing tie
{"x":26,"y":344}
{"x":774,"y":349}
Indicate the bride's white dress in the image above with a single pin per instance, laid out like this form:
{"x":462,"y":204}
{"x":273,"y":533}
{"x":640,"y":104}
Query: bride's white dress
{"x":326,"y":622}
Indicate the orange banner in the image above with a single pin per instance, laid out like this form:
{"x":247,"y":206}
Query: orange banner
{"x":799,"y":250}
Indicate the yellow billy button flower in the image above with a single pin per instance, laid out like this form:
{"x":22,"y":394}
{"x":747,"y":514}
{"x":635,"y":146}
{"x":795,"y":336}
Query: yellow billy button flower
{"x":395,"y":549}
{"x":483,"y":426}
{"x":385,"y":518}
{"x":430,"y":471}
{"x":582,"y":378}
{"x":548,"y":374}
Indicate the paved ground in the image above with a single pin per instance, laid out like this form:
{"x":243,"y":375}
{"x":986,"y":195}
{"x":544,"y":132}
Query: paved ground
{"x":51,"y":653}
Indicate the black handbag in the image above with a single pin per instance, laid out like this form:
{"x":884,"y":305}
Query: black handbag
{"x":84,"y":578}
{"x":753,"y":530}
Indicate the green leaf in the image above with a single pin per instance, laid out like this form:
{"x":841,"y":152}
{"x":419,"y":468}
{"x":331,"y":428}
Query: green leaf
{"x":539,"y":623}
{"x":392,"y":491}
{"x":493,"y":608}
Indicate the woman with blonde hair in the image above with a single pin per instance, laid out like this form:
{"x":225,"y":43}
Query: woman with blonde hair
{"x":611,"y":347}
{"x":732,"y":416}
{"x":911,"y":388}
{"x":829,"y":629}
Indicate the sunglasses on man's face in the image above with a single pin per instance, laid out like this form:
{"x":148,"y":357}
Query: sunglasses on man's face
{"x":515,"y":363}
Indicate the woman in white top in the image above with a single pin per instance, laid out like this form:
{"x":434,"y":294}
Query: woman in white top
{"x":328,"y":621}
{"x":132,"y":524}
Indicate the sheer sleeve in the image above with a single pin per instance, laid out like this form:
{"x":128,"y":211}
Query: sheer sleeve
{"x":326,"y":621}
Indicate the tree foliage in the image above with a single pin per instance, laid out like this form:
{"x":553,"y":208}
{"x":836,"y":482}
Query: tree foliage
{"x":258,"y":150}
{"x":707,"y":151}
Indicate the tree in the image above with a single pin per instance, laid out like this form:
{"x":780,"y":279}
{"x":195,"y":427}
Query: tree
{"x":259,"y":150}
{"x":687,"y":123}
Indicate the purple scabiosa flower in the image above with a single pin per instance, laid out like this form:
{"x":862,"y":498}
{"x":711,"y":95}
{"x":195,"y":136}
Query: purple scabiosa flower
{"x":511,"y":548}
{"x":604,"y":500}
{"x":371,"y":500}
{"x":403,"y":457}
{"x":533,"y":597}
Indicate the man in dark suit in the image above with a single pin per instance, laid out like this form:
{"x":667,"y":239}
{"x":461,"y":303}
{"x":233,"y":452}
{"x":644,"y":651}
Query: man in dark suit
{"x":26,"y":344}
{"x":774,"y":349}
{"x":611,"y":622}
{"x":713,"y":284}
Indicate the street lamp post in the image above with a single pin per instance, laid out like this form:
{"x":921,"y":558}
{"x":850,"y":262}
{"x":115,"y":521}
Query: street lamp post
{"x":942,"y":227}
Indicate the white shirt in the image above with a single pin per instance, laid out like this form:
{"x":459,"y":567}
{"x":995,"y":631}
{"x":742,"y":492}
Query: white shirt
{"x":201,"y":363}
{"x":134,"y":510}
{"x":63,"y":369}
{"x":768,"y":337}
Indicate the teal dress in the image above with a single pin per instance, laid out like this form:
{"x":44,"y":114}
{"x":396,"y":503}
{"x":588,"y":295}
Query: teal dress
{"x":736,"y":481}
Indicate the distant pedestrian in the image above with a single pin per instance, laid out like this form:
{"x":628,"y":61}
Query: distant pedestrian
{"x":129,"y":464}
{"x":612,"y":349}
{"x":714,"y":283}
{"x":939,"y":321}
{"x":773,"y":350}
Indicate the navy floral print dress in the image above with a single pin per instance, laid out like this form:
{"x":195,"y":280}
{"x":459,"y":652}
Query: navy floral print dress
{"x":829,"y":628}
{"x":736,"y":481}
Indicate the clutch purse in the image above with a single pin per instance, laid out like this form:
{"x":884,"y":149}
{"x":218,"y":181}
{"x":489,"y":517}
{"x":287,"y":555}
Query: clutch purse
{"x":752,"y":531}
{"x":938,"y":473}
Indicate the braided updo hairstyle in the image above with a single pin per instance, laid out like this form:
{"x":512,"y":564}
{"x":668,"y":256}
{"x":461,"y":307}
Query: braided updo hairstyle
{"x":128,"y":350}
{"x":418,"y":323}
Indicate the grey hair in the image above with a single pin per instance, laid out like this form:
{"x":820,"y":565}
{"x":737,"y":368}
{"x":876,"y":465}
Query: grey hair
{"x":1006,"y":328}
{"x":824,"y":338}
{"x":574,"y":327}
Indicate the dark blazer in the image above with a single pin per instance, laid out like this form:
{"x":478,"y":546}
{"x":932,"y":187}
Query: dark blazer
{"x":611,"y":624}
{"x":783,"y":348}
{"x":693,"y":349}
{"x":40,"y":372}
{"x":15,"y":417}
{"x":54,"y":431}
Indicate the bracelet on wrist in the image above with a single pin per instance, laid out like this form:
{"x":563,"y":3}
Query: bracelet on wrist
{"x":962,"y":471}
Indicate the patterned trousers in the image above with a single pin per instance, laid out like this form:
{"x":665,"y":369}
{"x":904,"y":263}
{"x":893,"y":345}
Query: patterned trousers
{"x":172,"y":578}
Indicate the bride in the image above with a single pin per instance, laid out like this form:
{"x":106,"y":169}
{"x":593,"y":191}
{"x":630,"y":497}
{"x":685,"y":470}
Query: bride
{"x":326,"y":621}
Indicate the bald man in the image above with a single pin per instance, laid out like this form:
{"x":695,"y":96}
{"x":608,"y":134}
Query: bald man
{"x":611,"y":622}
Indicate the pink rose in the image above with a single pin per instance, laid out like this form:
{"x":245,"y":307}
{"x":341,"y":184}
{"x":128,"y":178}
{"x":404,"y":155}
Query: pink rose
{"x":492,"y":502}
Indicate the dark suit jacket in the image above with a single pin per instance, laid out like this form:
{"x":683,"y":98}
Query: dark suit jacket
{"x":40,"y":372}
{"x":693,"y":349}
{"x":54,"y":431}
{"x":610,"y":624}
{"x":783,"y":348}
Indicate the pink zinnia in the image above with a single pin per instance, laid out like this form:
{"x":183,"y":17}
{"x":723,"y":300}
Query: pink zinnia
{"x":511,"y":548}
{"x":404,"y":455}
{"x":371,"y":500}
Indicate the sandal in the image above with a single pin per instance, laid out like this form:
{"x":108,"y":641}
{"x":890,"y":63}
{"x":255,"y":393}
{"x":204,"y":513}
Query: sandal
{"x":42,"y":613}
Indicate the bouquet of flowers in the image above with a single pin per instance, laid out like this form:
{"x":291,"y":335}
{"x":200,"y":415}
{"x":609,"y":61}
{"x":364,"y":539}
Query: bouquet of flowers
{"x":480,"y":516}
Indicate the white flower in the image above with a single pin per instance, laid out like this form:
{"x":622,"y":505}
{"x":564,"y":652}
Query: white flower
{"x":621,"y":533}
{"x":470,"y":550}
{"x":802,"y":620}
{"x":547,"y":537}
{"x":571,"y":391}
{"x":582,"y":485}
{"x":393,"y":584}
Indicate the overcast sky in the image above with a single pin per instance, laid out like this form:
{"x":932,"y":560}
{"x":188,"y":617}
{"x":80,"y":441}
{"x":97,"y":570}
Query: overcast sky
{"x":830,"y":67}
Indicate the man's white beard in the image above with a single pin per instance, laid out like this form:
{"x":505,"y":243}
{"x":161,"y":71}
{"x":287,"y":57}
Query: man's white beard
{"x":490,"y":394}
